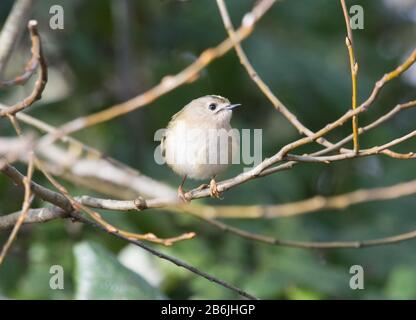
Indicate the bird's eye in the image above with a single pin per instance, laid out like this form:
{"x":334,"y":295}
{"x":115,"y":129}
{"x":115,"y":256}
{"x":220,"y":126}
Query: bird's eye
{"x":212,"y":106}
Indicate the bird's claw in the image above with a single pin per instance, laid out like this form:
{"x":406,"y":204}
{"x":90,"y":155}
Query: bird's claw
{"x":182,"y":195}
{"x":214,"y":190}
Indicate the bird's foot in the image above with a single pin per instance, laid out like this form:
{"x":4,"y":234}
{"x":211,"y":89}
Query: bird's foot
{"x":213,"y":189}
{"x":182,"y":195}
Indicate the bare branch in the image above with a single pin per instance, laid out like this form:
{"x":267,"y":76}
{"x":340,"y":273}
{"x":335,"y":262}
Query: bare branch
{"x":40,"y":84}
{"x":168,"y":83}
{"x":92,"y":166}
{"x":13,"y":28}
{"x":279,"y":106}
{"x":45,"y":194}
{"x":30,"y":68}
{"x":12,"y":149}
{"x":306,"y":244}
{"x":40,"y":215}
{"x":25,"y":209}
{"x":313,"y":204}
{"x":99,"y":219}
{"x":48,"y":214}
{"x":173,"y":260}
{"x":354,"y":72}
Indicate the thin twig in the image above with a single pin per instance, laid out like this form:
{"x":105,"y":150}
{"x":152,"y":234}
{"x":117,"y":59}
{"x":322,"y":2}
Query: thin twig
{"x":314,"y":204}
{"x":96,"y":216}
{"x":13,"y":149}
{"x":305,"y":244}
{"x":168,"y":83}
{"x":173,"y":260}
{"x":48,"y":214}
{"x":95,"y":164}
{"x":99,"y":219}
{"x":267,"y":163}
{"x":12,"y":29}
{"x":279,"y":106}
{"x":142,"y":204}
{"x":40,"y":84}
{"x":354,"y":73}
{"x":34,"y":216}
{"x":21,"y":79}
{"x":25,"y":209}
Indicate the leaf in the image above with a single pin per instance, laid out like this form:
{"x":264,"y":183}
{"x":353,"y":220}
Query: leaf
{"x":99,"y":275}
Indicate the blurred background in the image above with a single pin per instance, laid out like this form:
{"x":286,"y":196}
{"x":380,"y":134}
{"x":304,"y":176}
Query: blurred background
{"x":110,"y":51}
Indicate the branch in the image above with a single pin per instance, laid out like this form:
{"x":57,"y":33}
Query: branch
{"x":82,"y":163}
{"x":259,"y":170}
{"x":12,"y":29}
{"x":349,"y":41}
{"x":168,"y":83}
{"x":47,"y":214}
{"x":45,"y":194}
{"x":279,"y":106}
{"x":161,"y":202}
{"x":313,"y":204}
{"x":306,"y":244}
{"x":43,"y":73}
{"x":12,"y":149}
{"x":99,"y":219}
{"x":40,"y":215}
{"x":30,"y":68}
{"x":173,"y":260}
{"x":25,"y":209}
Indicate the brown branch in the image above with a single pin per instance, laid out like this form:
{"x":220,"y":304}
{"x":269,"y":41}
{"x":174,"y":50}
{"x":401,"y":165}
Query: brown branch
{"x":45,"y":194}
{"x":274,"y":100}
{"x":338,"y":202}
{"x":34,"y":216}
{"x":48,"y":214}
{"x":12,"y":149}
{"x":169,"y":199}
{"x":283,"y":155}
{"x":21,"y":79}
{"x":92,"y":166}
{"x":160,"y":202}
{"x":99,"y":219}
{"x":305,"y":244}
{"x":267,"y":163}
{"x":25,"y":209}
{"x":363,"y":153}
{"x":279,"y":106}
{"x":171,"y":259}
{"x":266,"y":167}
{"x":40,"y":84}
{"x":12,"y":29}
{"x":349,"y":41}
{"x":374,"y":124}
{"x":376,"y":195}
{"x":168,"y":83}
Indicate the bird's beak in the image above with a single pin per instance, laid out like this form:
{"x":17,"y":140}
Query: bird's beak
{"x":232,"y":106}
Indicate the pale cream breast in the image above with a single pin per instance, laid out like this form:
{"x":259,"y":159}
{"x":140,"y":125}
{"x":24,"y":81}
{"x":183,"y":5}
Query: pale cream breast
{"x":199,"y":150}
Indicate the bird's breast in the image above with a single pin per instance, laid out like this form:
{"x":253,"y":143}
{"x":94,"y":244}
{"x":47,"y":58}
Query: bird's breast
{"x":199,"y":151}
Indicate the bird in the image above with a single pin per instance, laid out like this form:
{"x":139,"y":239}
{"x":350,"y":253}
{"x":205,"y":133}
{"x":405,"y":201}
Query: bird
{"x":199,"y":142}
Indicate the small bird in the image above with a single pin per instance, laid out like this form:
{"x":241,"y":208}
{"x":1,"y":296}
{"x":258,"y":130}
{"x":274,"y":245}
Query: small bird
{"x":199,"y":141}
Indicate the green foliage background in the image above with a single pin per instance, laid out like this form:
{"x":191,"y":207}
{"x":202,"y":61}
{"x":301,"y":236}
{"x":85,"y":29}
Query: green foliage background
{"x":299,"y":50}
